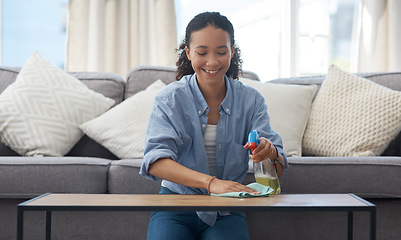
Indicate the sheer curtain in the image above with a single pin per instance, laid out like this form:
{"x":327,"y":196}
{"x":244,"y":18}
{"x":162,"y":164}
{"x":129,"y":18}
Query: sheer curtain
{"x":117,"y":35}
{"x":379,"y":36}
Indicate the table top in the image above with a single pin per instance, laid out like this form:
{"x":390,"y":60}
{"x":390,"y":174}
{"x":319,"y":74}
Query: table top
{"x":180,"y":202}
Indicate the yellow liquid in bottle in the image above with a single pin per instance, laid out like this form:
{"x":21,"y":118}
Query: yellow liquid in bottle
{"x":273,"y":183}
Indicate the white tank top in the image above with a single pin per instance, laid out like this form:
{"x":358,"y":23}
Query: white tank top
{"x":210,"y":146}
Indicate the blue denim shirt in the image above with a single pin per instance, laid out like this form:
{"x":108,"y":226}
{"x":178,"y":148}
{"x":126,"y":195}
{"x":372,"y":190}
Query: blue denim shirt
{"x":178,"y":122}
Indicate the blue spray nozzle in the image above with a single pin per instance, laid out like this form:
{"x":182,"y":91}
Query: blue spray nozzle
{"x":253,"y":140}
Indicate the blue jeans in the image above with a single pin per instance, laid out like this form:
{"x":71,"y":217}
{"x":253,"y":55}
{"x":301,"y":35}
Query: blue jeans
{"x":186,"y":225}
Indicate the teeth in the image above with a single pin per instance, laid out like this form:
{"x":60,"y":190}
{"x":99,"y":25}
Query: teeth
{"x":210,"y":71}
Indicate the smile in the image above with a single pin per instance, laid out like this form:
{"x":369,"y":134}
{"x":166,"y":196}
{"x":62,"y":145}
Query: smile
{"x":211,"y":71}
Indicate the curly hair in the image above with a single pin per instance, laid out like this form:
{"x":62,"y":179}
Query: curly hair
{"x":200,"y":21}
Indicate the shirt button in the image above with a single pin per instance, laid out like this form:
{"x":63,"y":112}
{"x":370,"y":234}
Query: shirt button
{"x":199,"y":112}
{"x":203,"y":125}
{"x":227,"y":110}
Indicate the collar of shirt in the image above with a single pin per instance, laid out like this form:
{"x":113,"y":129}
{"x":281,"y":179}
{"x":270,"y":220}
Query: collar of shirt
{"x":200,"y":102}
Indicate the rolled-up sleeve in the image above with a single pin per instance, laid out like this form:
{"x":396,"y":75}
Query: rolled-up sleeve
{"x":161,"y":137}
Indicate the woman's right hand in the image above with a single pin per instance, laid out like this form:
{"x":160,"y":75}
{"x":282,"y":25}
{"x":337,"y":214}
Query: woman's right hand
{"x":218,"y":186}
{"x":170,"y":170}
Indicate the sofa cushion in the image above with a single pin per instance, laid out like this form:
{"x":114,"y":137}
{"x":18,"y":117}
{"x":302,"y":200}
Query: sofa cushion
{"x":40,"y":112}
{"x":32,"y":176}
{"x":388,"y":79}
{"x":368,"y":177}
{"x":122,"y":129}
{"x":108,"y":84}
{"x":288,"y":106}
{"x":352,"y":116}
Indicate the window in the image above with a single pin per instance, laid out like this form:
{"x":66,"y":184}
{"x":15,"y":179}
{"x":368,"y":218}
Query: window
{"x":283,"y":38}
{"x":326,"y":37}
{"x":27,"y":26}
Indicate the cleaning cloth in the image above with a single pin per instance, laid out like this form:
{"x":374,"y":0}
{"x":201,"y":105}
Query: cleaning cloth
{"x":264,"y":192}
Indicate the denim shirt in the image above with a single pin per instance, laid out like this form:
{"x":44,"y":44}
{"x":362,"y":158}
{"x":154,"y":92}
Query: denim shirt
{"x":178,"y":123}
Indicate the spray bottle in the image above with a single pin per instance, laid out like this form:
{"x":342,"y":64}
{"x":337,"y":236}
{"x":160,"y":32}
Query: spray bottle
{"x":265,"y":172}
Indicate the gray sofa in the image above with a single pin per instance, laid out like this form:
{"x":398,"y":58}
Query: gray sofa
{"x":91,"y":168}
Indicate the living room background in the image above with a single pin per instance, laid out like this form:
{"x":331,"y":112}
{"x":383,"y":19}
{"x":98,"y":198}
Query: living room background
{"x":277,"y":38}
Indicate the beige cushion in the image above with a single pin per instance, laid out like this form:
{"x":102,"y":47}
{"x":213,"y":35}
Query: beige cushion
{"x":122,"y":129}
{"x":41,"y":111}
{"x":288,"y":107}
{"x":352,"y":116}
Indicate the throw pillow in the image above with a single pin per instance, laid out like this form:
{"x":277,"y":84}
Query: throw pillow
{"x":352,"y":116}
{"x":41,"y":111}
{"x":288,"y":106}
{"x":122,"y":129}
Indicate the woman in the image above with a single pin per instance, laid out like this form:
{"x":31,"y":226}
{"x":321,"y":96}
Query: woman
{"x":197,"y":133}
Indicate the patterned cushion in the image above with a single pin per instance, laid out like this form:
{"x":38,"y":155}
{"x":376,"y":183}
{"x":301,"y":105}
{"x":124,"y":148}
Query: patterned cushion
{"x":41,"y":111}
{"x":352,"y":116}
{"x":122,"y":129}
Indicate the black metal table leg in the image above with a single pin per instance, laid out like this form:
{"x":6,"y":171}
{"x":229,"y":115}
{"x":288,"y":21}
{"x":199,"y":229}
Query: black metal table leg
{"x":20,"y":223}
{"x":350,"y":225}
{"x":373,"y":223}
{"x":48,"y":225}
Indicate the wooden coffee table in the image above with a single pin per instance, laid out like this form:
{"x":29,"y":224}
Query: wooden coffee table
{"x":166,"y":202}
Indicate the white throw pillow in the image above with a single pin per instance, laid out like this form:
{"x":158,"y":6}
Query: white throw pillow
{"x":352,"y":116}
{"x":122,"y":129}
{"x":41,"y":111}
{"x":288,"y":106}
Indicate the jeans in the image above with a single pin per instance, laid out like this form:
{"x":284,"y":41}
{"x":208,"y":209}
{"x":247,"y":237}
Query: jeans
{"x":186,"y":225}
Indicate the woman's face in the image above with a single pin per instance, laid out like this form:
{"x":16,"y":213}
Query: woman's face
{"x":210,"y":53}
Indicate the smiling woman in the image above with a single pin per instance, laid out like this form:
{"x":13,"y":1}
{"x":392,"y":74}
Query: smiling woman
{"x":197,"y":133}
